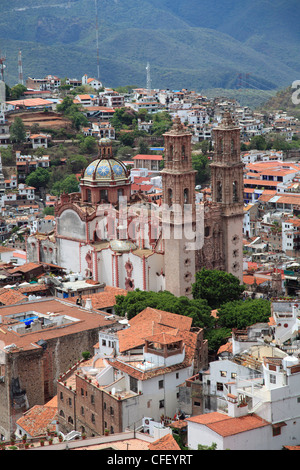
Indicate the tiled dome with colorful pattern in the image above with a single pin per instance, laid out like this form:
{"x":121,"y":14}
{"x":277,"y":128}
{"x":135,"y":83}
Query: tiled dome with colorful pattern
{"x":104,"y":169}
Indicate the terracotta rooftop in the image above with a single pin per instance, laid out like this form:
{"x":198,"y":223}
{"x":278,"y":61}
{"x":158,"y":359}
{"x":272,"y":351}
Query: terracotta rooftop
{"x":38,"y":419}
{"x":101,"y":300}
{"x":166,"y":442}
{"x":225,"y":425}
{"x":151,"y":322}
{"x":10,"y":297}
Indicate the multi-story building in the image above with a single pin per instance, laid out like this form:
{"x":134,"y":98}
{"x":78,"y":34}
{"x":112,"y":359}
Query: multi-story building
{"x":38,"y":342}
{"x":135,"y":372}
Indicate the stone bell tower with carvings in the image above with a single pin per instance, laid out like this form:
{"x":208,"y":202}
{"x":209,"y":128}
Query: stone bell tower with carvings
{"x":178,"y":182}
{"x":227,"y":192}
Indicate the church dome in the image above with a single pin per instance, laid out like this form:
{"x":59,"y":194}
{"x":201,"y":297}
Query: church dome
{"x":103,"y":169}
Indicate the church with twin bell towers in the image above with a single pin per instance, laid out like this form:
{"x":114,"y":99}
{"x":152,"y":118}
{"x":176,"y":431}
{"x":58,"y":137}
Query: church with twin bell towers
{"x":121,"y":249}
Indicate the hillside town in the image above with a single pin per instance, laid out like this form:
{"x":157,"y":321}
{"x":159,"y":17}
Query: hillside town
{"x":79,"y":370}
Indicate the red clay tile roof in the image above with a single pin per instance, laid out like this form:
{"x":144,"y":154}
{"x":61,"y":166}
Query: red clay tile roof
{"x":225,"y":425}
{"x":10,"y":297}
{"x":104,"y":299}
{"x":165,"y":318}
{"x":38,"y":419}
{"x":151,"y":322}
{"x":147,"y":157}
{"x":166,"y":442}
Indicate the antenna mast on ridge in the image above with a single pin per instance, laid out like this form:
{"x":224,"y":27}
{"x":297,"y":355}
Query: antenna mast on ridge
{"x":2,"y":66}
{"x":97,"y":41}
{"x":20,"y":68}
{"x":148,"y":78}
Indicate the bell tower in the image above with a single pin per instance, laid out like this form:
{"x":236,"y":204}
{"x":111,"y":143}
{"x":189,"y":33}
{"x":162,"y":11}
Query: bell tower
{"x":178,"y":182}
{"x":227,"y":192}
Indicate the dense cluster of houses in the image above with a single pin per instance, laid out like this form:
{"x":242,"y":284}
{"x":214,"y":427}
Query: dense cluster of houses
{"x":149,"y":377}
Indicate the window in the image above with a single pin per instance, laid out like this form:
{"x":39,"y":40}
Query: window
{"x":133,"y":384}
{"x":233,"y":375}
{"x":82,"y":392}
{"x":170,"y":197}
{"x":161,"y":403}
{"x":272,"y":379}
{"x":223,"y":373}
{"x":235,"y":191}
{"x":219,"y":386}
{"x":92,"y":399}
{"x":276,"y":430}
{"x":219,"y":191}
{"x":61,"y":396}
{"x":111,"y":410}
{"x":161,"y":384}
{"x":186,"y":196}
{"x":82,"y":411}
{"x":93,"y":418}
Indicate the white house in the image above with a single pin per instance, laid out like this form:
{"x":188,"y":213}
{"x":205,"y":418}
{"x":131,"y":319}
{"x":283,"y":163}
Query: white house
{"x":256,"y":391}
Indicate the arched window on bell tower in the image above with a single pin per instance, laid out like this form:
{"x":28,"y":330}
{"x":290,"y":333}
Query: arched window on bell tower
{"x":235,"y":196}
{"x":219,"y":191}
{"x":183,"y":152}
{"x":186,"y":196}
{"x":170,"y":153}
{"x":170,"y":197}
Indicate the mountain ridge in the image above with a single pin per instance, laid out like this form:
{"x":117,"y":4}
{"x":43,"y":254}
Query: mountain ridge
{"x":187,"y":44}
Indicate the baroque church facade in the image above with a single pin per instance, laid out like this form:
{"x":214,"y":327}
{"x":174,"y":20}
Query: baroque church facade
{"x":107,"y":234}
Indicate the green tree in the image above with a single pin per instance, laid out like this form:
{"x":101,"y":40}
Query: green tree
{"x":122,"y":118}
{"x":216,"y":337}
{"x":76,"y":163}
{"x":136,"y":301}
{"x":143,"y":147}
{"x":162,"y":122}
{"x":88,"y":145}
{"x":240,"y":314}
{"x":48,"y":211}
{"x":127,"y":139}
{"x":73,"y":112}
{"x":38,"y":178}
{"x":258,"y":142}
{"x":68,"y":185}
{"x":216,"y":287}
{"x":17,"y":91}
{"x":65,"y":105}
{"x":8,"y":157}
{"x":200,"y":163}
{"x":213,"y":446}
{"x":17,"y":131}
